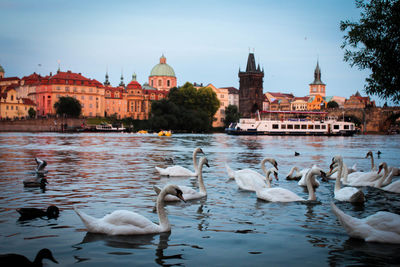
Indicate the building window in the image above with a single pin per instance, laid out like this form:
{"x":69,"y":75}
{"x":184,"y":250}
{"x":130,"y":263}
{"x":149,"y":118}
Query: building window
{"x":151,"y":82}
{"x":168,"y":83}
{"x":12,"y":97}
{"x":90,"y":97}
{"x":159,"y":82}
{"x":75,"y":90}
{"x":90,"y":90}
{"x":67,"y":89}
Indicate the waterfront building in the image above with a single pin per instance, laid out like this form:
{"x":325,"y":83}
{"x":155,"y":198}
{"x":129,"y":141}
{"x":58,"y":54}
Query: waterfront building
{"x":138,"y":103}
{"x":162,"y":76}
{"x":233,"y":96}
{"x":89,"y":92}
{"x":12,"y":106}
{"x":272,"y":96}
{"x":358,"y":101}
{"x":338,"y":99}
{"x":115,"y":102}
{"x":222,"y":95}
{"x":280,"y":104}
{"x":316,"y":102}
{"x":251,"y":95}
{"x":317,"y":87}
{"x":299,"y":103}
{"x":6,"y":81}
{"x":266,"y":103}
{"x":28,"y":86}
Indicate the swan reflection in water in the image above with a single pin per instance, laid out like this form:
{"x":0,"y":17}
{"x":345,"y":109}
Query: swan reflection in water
{"x":358,"y":252}
{"x":132,"y":242}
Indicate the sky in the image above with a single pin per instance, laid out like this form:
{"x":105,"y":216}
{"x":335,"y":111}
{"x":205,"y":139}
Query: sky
{"x":203,"y":41}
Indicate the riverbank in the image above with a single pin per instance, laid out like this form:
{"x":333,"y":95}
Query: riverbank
{"x":42,"y":125}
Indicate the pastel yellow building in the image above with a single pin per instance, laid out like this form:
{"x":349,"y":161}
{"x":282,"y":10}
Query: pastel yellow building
{"x":12,"y":106}
{"x":223,"y":97}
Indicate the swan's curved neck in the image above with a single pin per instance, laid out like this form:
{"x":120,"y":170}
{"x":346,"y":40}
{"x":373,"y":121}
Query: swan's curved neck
{"x":162,"y":215}
{"x":292,"y":171}
{"x":372,"y":162}
{"x":339,"y":175}
{"x":195,"y":165}
{"x":310,"y":188}
{"x":267,"y":173}
{"x":202,"y":188}
{"x":386,"y":177}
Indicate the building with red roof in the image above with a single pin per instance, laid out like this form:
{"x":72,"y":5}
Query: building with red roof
{"x":358,"y":101}
{"x":45,"y":92}
{"x":12,"y":106}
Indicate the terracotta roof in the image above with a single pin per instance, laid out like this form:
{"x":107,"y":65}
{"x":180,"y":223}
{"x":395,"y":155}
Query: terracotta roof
{"x":10,"y":87}
{"x":27,"y":101}
{"x":280,"y":95}
{"x":9,"y":79}
{"x":134,"y":85}
{"x":113,"y":90}
{"x":231,"y":90}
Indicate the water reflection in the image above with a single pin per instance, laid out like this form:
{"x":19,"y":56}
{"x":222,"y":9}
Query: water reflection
{"x":106,"y":172}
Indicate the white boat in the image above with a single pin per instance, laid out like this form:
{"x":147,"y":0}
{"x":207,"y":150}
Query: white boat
{"x":290,"y":123}
{"x":106,"y":127}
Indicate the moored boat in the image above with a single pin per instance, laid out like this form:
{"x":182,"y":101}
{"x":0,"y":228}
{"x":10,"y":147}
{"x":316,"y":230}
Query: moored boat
{"x":106,"y":127}
{"x":292,"y":123}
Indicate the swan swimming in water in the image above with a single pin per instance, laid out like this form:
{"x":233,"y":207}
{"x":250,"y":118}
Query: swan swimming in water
{"x":383,"y":227}
{"x":189,"y":193}
{"x":278,"y":194}
{"x":381,"y":180}
{"x":123,"y":222}
{"x":248,"y":179}
{"x":371,"y":155}
{"x":182,"y":171}
{"x":350,"y":194}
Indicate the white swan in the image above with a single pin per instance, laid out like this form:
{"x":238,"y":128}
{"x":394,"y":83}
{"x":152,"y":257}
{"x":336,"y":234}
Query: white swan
{"x":189,"y":193}
{"x":41,"y":164}
{"x":248,"y":179}
{"x":381,"y":180}
{"x":392,"y":187}
{"x":278,"y":194}
{"x":383,"y":227}
{"x":123,"y":222}
{"x":350,"y":194}
{"x":182,"y":171}
{"x":296,"y":174}
{"x":303,"y":180}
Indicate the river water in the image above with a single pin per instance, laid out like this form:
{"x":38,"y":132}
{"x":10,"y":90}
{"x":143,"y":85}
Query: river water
{"x":100,"y":173}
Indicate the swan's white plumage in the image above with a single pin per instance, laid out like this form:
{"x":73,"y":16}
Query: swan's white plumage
{"x":295,"y":174}
{"x":383,"y":227}
{"x":278,"y":194}
{"x":123,"y":222}
{"x":248,"y":179}
{"x":179,"y":170}
{"x":350,"y":194}
{"x":189,"y":193}
{"x":392,"y":187}
{"x":303,"y":181}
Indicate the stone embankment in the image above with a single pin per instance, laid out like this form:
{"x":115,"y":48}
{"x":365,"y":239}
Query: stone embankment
{"x":41,"y":125}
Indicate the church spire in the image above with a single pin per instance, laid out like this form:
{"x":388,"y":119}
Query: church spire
{"x":317,"y":75}
{"x":106,"y":82}
{"x":122,"y":81}
{"x":251,"y":63}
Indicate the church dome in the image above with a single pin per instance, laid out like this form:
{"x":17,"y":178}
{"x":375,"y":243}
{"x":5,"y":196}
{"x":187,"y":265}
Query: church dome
{"x":162,"y":69}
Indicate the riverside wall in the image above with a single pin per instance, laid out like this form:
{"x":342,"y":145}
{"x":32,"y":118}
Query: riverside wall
{"x":41,"y":125}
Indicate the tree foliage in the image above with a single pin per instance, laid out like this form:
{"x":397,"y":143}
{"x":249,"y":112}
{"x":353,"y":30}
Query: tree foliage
{"x":186,"y":109}
{"x":32,"y":113}
{"x":332,"y":104}
{"x":374,"y":43}
{"x":231,"y":115}
{"x":68,"y":106}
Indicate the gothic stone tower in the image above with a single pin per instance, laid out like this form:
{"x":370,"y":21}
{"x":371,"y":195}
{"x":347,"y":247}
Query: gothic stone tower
{"x":250,"y":88}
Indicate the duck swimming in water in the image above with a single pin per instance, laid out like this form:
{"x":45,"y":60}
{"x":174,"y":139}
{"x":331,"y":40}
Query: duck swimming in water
{"x":32,"y":213}
{"x":12,"y":259}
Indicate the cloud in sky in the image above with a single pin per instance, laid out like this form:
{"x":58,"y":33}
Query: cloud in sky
{"x":204,"y":41}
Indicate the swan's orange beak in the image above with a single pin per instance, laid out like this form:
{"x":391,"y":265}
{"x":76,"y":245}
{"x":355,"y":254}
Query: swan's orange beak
{"x":380,"y":169}
{"x":180,"y":196}
{"x":331,"y":167}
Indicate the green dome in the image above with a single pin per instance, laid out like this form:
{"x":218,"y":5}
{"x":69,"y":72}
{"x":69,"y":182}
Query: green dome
{"x":162,"y":69}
